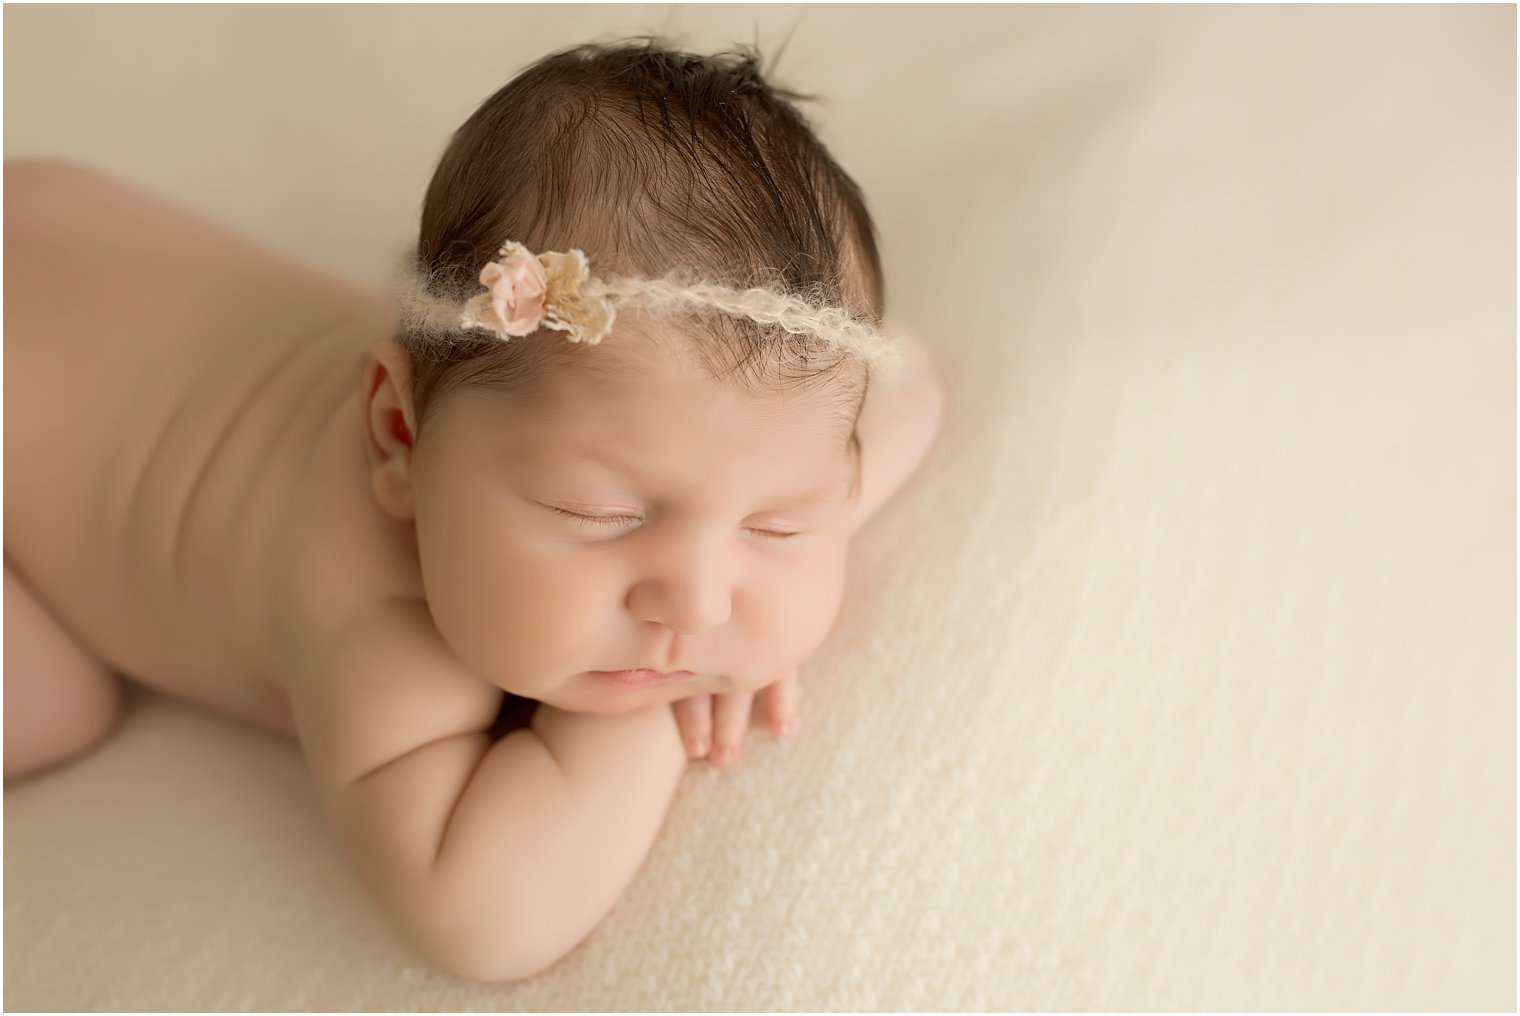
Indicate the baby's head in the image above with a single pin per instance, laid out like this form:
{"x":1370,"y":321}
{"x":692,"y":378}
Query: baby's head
{"x":678,"y":494}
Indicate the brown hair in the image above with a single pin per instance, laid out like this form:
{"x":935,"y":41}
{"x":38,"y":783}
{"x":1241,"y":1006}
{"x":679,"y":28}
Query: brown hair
{"x":652,"y":162}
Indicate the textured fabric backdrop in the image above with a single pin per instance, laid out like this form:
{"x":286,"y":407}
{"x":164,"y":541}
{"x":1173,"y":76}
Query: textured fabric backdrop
{"x":1183,"y":676}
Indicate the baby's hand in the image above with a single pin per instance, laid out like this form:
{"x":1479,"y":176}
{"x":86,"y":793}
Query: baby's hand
{"x":713,"y":726}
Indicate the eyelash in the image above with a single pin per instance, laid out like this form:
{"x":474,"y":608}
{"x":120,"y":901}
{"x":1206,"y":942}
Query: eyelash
{"x":629,"y":521}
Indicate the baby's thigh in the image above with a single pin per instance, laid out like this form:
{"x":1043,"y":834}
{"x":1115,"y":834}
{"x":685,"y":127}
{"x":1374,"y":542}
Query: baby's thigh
{"x":59,"y":699}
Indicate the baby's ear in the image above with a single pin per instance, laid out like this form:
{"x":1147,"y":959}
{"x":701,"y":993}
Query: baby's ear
{"x":389,"y":424}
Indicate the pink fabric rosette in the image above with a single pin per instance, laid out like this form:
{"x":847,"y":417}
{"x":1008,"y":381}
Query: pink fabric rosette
{"x":517,"y":284}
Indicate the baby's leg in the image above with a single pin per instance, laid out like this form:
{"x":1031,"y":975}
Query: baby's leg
{"x":59,"y":700}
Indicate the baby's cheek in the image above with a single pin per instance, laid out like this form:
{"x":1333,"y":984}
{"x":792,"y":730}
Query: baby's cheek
{"x":472,"y":617}
{"x":492,"y":613}
{"x":811,"y":608}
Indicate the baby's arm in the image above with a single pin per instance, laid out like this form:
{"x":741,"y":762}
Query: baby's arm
{"x":493,"y":859}
{"x":897,"y":426}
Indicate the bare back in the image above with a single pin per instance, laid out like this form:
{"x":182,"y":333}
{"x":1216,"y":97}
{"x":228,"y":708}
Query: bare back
{"x":184,"y":460}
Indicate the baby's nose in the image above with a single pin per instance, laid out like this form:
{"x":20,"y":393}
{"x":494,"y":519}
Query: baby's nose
{"x":688,"y":594}
{"x":687,"y":610}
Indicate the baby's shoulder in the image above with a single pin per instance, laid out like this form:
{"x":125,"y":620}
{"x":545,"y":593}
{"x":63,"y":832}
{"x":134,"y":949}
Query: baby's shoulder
{"x":390,"y":685}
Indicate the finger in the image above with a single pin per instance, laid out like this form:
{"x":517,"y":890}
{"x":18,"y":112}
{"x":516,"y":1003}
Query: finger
{"x":781,"y":705}
{"x":694,"y":717}
{"x":730,"y":718}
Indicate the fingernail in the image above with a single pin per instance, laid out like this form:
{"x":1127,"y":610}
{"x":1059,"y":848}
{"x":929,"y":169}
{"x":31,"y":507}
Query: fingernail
{"x":785,"y":728}
{"x":698,"y":748}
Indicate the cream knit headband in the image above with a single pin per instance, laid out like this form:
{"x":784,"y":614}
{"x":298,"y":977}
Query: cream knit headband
{"x":527,"y":291}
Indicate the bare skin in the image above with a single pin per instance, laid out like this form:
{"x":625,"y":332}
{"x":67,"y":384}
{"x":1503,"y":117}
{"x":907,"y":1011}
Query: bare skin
{"x":207,"y":492}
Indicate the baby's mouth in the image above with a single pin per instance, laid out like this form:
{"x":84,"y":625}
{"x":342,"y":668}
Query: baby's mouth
{"x":640,"y":678}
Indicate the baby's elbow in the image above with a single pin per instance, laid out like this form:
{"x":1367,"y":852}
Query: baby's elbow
{"x":498,"y":949}
{"x":492,"y":966}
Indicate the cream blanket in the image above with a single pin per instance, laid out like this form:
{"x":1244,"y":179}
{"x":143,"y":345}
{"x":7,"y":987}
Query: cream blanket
{"x":1182,"y":677}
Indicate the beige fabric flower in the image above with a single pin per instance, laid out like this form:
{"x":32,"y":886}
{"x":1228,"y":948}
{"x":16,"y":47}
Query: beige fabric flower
{"x":588,"y":317}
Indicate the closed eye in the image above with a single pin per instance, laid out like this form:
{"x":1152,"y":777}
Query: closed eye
{"x":630,"y":521}
{"x":618,"y":521}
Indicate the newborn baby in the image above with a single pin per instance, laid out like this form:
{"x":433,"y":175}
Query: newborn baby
{"x":601,"y":457}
